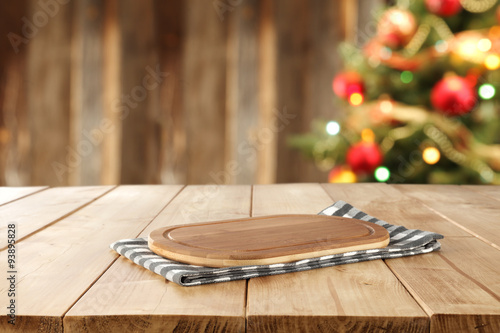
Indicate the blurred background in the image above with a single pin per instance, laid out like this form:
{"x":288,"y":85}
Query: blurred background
{"x":100,"y":92}
{"x":240,"y":92}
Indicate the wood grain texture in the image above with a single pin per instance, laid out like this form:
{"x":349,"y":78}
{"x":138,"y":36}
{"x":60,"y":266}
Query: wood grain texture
{"x":141,"y":77}
{"x":169,"y":16}
{"x":463,"y":295}
{"x":242,"y":110}
{"x":14,"y":121}
{"x":267,"y":155}
{"x":439,"y":281}
{"x":388,"y":204}
{"x":304,"y":74}
{"x":112,"y":136}
{"x":61,"y":262}
{"x":204,"y":94}
{"x":359,"y":298}
{"x":48,"y":96}
{"x":87,"y":86}
{"x":128,"y":295}
{"x":8,"y":194}
{"x":265,"y":240}
{"x":489,"y":190}
{"x":39,"y":210}
{"x":473,"y":212}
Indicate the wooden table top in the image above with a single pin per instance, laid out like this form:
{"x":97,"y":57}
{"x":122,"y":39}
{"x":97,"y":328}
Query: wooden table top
{"x":68,"y":280}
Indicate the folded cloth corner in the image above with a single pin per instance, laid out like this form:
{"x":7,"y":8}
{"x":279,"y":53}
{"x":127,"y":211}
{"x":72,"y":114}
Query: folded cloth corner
{"x":403,"y":242}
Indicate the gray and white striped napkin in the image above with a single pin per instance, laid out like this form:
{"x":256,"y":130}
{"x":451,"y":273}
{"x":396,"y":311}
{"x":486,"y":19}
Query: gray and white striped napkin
{"x":403,"y":242}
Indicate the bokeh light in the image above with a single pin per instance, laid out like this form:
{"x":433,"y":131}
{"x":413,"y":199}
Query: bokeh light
{"x":367,"y":135}
{"x":332,"y":128}
{"x":492,"y":62}
{"x":382,"y":174}
{"x":486,"y":91}
{"x":431,"y":155}
{"x":356,"y":99}
{"x":484,"y":45}
{"x":406,"y":76}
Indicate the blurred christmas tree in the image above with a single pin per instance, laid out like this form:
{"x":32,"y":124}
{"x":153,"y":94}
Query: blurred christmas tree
{"x":420,"y":98}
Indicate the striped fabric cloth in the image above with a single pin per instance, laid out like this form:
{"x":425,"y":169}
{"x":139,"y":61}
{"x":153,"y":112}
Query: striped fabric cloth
{"x":403,"y":242}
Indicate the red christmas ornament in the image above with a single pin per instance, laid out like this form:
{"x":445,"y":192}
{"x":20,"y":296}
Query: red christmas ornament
{"x":444,"y":8}
{"x":453,"y":96}
{"x":364,"y":157}
{"x":347,"y":83}
{"x":396,"y":27}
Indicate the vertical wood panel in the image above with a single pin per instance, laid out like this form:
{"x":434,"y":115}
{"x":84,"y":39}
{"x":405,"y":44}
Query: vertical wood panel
{"x":140,"y":92}
{"x":243,"y":97}
{"x":49,"y":94}
{"x":267,"y":154}
{"x":170,"y":33}
{"x":291,"y":47}
{"x":87,"y":87}
{"x":307,"y":61}
{"x":204,"y":94}
{"x":14,"y":139}
{"x":111,"y":152}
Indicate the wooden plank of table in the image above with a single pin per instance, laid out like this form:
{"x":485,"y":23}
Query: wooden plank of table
{"x":8,"y":194}
{"x":489,"y":190}
{"x":475,"y":213}
{"x":458,"y":285}
{"x":356,"y":298}
{"x":39,"y":210}
{"x":128,"y":296}
{"x":384,"y":202}
{"x":58,"y":264}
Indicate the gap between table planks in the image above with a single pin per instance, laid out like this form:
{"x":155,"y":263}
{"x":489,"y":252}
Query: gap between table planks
{"x":458,"y":285}
{"x":41,"y":209}
{"x":134,"y":296}
{"x":356,"y":298}
{"x":9,"y":194}
{"x":476,"y":213}
{"x":59,"y":263}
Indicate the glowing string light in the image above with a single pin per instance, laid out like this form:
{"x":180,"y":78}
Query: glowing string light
{"x":406,"y":76}
{"x":486,"y":91}
{"x":332,"y":128}
{"x":492,"y":62}
{"x":484,"y":45}
{"x":386,"y":107}
{"x":431,"y":155}
{"x":382,"y":174}
{"x":441,"y":46}
{"x":356,"y":99}
{"x":367,"y":135}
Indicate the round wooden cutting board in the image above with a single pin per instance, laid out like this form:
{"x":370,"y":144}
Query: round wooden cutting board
{"x":265,"y":240}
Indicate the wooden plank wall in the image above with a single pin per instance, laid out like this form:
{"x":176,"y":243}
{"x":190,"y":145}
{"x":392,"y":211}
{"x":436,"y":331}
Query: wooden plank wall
{"x":169,"y":92}
{"x":14,"y":139}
